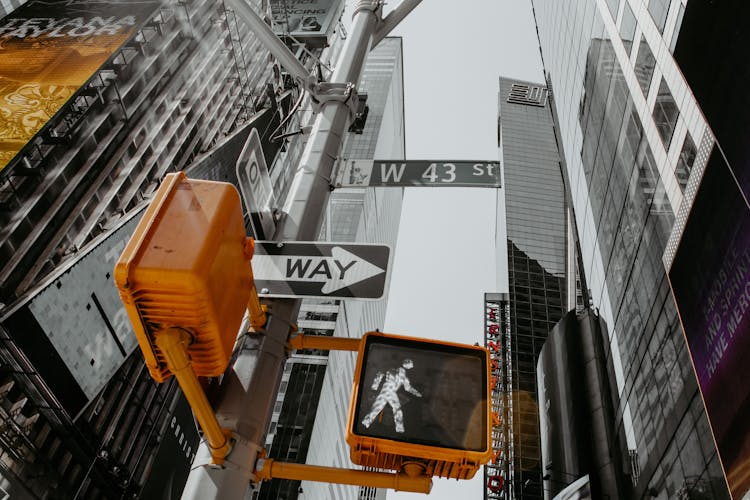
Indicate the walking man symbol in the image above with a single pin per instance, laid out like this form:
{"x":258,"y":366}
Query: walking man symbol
{"x":395,"y":378}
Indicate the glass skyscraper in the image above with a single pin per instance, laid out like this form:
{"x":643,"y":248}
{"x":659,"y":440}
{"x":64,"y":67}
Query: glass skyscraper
{"x":634,"y":141}
{"x":538,"y":270}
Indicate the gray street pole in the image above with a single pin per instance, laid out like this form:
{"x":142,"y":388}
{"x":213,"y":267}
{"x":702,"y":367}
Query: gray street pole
{"x":248,"y":390}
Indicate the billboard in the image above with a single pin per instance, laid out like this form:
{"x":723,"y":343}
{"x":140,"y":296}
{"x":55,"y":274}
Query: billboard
{"x":73,"y":327}
{"x":710,"y":279}
{"x":48,"y":50}
{"x":177,"y":447}
{"x":498,"y":473}
{"x":309,"y":21}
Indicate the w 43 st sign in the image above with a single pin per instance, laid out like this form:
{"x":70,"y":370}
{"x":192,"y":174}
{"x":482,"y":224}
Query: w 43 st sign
{"x":400,"y":173}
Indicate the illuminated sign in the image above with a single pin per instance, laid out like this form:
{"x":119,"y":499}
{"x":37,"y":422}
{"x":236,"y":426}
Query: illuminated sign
{"x":420,"y":398}
{"x":498,"y":472}
{"x":710,"y":279}
{"x":48,"y":50}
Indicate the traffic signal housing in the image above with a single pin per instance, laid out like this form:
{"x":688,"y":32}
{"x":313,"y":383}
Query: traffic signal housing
{"x":187,"y":266}
{"x":419,"y":400}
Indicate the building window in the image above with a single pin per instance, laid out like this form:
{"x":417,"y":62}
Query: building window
{"x":685,"y":161}
{"x":627,"y":27}
{"x":665,"y":113}
{"x":644,"y":66}
{"x":659,"y":10}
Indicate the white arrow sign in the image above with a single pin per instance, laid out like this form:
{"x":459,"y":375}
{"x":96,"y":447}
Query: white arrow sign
{"x":339,"y":271}
{"x":320,"y":269}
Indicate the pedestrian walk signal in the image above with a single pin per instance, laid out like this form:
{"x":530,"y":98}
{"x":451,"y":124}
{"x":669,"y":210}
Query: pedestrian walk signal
{"x":420,"y":399}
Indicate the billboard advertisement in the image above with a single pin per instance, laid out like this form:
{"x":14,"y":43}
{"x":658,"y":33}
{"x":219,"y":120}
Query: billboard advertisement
{"x":177,"y":447}
{"x":48,"y":50}
{"x":310,"y":21}
{"x":73,"y":327}
{"x":710,"y":279}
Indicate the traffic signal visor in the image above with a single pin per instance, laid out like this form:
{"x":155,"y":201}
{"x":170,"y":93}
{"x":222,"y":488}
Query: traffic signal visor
{"x":418,"y":399}
{"x":187,"y":266}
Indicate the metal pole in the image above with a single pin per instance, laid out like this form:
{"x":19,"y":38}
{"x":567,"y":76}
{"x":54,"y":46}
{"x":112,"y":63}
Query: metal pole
{"x":249,"y":388}
{"x":266,"y":35}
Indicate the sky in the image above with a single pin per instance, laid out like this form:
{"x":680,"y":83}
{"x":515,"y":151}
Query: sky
{"x":454,"y":52}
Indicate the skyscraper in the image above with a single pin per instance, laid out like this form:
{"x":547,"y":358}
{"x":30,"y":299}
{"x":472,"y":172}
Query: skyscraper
{"x":310,"y":421}
{"x":538,"y":268}
{"x":635,"y":144}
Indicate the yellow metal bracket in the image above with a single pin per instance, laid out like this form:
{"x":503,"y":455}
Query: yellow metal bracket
{"x":256,"y":310}
{"x":324,"y":343}
{"x":410,"y":479}
{"x":173,"y":343}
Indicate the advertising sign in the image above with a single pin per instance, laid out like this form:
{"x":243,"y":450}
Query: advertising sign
{"x":309,"y":21}
{"x":498,"y":473}
{"x":710,"y":278}
{"x":422,"y":392}
{"x":437,"y":173}
{"x":48,"y":50}
{"x":177,"y":448}
{"x":74,"y":328}
{"x":317,"y":269}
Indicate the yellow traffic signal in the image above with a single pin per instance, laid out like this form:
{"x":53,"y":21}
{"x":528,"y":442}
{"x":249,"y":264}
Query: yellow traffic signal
{"x":419,"y":400}
{"x":187,"y":266}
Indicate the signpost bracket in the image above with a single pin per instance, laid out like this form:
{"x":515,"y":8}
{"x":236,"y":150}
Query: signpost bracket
{"x":324,"y":343}
{"x":406,"y":480}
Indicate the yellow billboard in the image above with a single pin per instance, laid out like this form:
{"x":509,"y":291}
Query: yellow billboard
{"x":48,"y":50}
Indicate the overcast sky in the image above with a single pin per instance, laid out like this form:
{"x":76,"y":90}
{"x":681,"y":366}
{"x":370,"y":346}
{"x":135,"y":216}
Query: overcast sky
{"x":454,"y":52}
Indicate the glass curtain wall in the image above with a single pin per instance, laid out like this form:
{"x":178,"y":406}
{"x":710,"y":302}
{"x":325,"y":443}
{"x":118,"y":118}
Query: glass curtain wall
{"x":617,"y":148}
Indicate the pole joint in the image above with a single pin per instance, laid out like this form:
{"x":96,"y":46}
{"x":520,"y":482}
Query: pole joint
{"x":326,"y":92}
{"x":371,"y":5}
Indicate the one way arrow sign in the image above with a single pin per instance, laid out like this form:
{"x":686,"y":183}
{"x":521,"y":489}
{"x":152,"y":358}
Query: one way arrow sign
{"x":318,"y":269}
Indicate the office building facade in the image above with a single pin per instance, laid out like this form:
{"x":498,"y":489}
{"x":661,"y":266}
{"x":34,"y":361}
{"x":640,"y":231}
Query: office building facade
{"x":539,"y":270}
{"x":309,"y":422}
{"x":635,"y":145}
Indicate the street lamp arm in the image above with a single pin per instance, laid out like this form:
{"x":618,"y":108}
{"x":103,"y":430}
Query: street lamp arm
{"x":393,"y":19}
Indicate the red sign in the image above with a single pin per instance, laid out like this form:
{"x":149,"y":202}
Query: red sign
{"x":497,"y":340}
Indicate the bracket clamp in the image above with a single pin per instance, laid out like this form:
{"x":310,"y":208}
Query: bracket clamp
{"x":326,"y":92}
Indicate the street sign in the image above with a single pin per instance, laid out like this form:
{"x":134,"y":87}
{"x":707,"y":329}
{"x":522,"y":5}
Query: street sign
{"x":420,"y":398}
{"x":255,"y":185}
{"x":320,"y":269}
{"x":401,"y":173}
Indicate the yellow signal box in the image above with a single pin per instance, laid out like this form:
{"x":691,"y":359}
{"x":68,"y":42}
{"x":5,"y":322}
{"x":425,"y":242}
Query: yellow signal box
{"x":419,"y":401}
{"x":187,"y":266}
